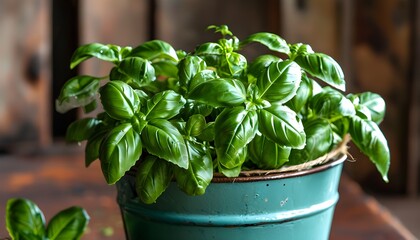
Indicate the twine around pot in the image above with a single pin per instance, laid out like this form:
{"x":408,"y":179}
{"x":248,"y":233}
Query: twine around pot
{"x":340,"y":150}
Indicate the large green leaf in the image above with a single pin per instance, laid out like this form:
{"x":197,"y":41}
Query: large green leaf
{"x":203,"y":76}
{"x":236,"y":170}
{"x":323,"y":67}
{"x":108,"y":53}
{"x":119,"y":151}
{"x":138,"y":72}
{"x":166,"y":104}
{"x":68,"y":224}
{"x":162,"y":139}
{"x":370,"y":105}
{"x":207,"y":134}
{"x":331,"y":103}
{"x":24,"y":218}
{"x":259,"y":65}
{"x":119,"y":100}
{"x":280,"y":81}
{"x":195,"y":125}
{"x":281,"y":125}
{"x":152,"y":178}
{"x":267,"y":154}
{"x":81,"y":129}
{"x":235,"y":128}
{"x":93,"y":144}
{"x":211,"y":52}
{"x":270,"y":40}
{"x":192,"y":107}
{"x":302,"y":96}
{"x":155,"y":51}
{"x":340,"y":129}
{"x":232,"y":65}
{"x":219,"y":92}
{"x":319,"y":140}
{"x":166,"y":68}
{"x":199,"y":174}
{"x":188,"y":68}
{"x":370,"y":140}
{"x":77,"y":92}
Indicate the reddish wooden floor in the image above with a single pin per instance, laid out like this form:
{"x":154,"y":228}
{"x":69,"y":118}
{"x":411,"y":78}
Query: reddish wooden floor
{"x":57,"y":180}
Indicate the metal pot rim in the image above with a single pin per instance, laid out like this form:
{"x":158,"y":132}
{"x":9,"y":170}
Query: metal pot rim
{"x":269,"y":175}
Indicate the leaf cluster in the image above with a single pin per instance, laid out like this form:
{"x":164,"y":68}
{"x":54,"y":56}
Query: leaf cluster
{"x":184,"y":116}
{"x":25,"y":221}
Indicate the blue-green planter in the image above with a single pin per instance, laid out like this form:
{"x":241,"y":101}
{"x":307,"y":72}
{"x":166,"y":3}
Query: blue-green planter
{"x":297,"y":205}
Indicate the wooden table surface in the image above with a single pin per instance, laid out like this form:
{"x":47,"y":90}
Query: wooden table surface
{"x":57,"y":179}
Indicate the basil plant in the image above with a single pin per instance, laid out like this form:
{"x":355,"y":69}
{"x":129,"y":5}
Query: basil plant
{"x":183,"y":116}
{"x":25,"y":221}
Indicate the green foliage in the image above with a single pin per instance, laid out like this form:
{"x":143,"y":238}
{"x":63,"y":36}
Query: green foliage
{"x":181,"y":116}
{"x":25,"y":221}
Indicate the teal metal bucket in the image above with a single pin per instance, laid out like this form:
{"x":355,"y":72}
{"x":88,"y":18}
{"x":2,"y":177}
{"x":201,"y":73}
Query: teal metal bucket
{"x":295,"y":205}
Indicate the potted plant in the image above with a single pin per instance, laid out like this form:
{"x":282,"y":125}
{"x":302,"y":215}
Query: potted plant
{"x":242,"y":134}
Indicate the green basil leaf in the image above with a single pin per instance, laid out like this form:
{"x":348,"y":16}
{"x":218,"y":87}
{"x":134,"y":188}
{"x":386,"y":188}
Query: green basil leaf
{"x":166,"y":104}
{"x":270,"y":40}
{"x":222,"y":29}
{"x":363,"y":112}
{"x":281,"y":125}
{"x":211,"y":53}
{"x":219,"y":92}
{"x":139,"y":71}
{"x":115,"y":74}
{"x":81,"y":129}
{"x":199,"y":174}
{"x":143,"y":97}
{"x":299,"y":49}
{"x":103,"y":52}
{"x":119,"y":100}
{"x":77,"y":92}
{"x":260,"y":64}
{"x":152,"y":178}
{"x":330,"y":103}
{"x":340,"y":128}
{"x":236,"y":170}
{"x":236,"y":127}
{"x":68,"y":224}
{"x":266,"y":154}
{"x":201,"y":77}
{"x":23,"y":217}
{"x":367,"y":136}
{"x":192,"y":107}
{"x":188,"y":68}
{"x":155,"y":51}
{"x":162,"y":139}
{"x":90,"y":107}
{"x":207,"y":134}
{"x":166,"y":68}
{"x":119,"y":151}
{"x":319,"y":141}
{"x":323,"y":67}
{"x":232,"y":65}
{"x":93,"y":145}
{"x":195,"y":125}
{"x":369,"y":104}
{"x":302,"y":96}
{"x":280,"y":81}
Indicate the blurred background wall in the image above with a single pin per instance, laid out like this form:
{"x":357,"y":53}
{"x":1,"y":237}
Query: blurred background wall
{"x":377,"y":42}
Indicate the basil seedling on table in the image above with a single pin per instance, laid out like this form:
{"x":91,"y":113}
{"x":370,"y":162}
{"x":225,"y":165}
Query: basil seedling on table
{"x":25,"y":221}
